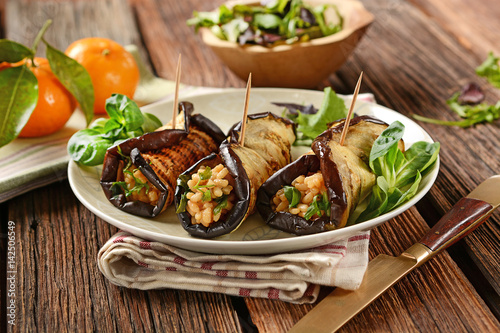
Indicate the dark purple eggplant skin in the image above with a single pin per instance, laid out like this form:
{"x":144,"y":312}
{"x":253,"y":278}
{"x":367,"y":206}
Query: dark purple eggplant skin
{"x":285,"y":221}
{"x":295,"y":224}
{"x":241,"y":190}
{"x":147,"y":142}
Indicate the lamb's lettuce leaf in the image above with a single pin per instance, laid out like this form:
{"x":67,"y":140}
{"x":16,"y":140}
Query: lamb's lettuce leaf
{"x":398,"y":174}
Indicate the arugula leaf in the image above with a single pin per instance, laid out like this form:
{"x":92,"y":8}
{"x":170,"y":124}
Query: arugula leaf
{"x":88,"y":146}
{"x":398,"y":174}
{"x":293,"y":195}
{"x":490,"y":69}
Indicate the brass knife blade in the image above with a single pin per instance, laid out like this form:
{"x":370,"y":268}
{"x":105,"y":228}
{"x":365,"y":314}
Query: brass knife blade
{"x":384,"y":271}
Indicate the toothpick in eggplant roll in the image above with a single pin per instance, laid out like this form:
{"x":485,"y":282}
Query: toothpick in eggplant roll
{"x":216,"y":195}
{"x":140,"y":174}
{"x":320,"y":190}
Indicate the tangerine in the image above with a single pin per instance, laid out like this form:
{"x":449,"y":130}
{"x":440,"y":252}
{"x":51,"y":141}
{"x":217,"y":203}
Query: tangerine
{"x":55,"y":104}
{"x":111,"y":67}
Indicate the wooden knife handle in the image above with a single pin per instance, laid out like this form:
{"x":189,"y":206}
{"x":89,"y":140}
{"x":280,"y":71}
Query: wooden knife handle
{"x":464,"y":217}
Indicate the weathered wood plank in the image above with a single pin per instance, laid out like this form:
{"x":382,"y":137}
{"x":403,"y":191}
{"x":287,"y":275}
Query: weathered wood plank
{"x":435,"y":66}
{"x":415,"y":73}
{"x":166,"y":35}
{"x":434,"y":298}
{"x":60,"y":239}
{"x":411,"y":64}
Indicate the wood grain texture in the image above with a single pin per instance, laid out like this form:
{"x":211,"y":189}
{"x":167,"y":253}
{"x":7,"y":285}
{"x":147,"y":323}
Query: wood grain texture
{"x":413,"y":59}
{"x":459,"y":221}
{"x":417,"y":66}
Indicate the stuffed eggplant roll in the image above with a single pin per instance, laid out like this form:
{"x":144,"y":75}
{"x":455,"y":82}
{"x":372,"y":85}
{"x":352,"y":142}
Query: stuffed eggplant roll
{"x":320,"y":190}
{"x":215,"y":195}
{"x":140,"y":174}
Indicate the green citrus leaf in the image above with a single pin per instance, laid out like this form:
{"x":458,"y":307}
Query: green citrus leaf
{"x":74,"y":77}
{"x":13,"y":52}
{"x":18,"y":98}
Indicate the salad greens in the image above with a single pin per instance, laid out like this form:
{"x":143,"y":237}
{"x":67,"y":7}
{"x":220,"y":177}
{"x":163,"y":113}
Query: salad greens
{"x":467,"y":103}
{"x":293,"y":195}
{"x":88,"y":146}
{"x":490,"y":69}
{"x":398,"y":174}
{"x":276,"y":21}
{"x":311,"y":122}
{"x":470,"y":114}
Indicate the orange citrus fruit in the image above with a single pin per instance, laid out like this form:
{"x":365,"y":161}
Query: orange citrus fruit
{"x":55,"y":104}
{"x":111,"y":68}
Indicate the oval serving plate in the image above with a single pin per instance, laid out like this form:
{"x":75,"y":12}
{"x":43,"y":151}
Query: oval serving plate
{"x":253,"y":236}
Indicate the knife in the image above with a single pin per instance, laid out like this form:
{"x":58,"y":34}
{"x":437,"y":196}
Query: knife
{"x":384,"y":271}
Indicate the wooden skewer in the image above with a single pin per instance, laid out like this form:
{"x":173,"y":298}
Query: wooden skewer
{"x":245,"y":111}
{"x":349,"y":114}
{"x":176,"y":96}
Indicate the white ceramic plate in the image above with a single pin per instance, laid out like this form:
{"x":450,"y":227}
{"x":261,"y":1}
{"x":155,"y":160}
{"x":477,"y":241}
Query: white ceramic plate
{"x":253,"y":236}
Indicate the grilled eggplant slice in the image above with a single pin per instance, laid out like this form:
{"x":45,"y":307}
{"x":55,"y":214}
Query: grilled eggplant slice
{"x":140,"y":174}
{"x":268,"y":141}
{"x":345,"y":174}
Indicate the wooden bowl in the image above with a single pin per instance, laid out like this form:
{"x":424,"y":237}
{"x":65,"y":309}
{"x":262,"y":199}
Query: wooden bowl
{"x":299,"y":65}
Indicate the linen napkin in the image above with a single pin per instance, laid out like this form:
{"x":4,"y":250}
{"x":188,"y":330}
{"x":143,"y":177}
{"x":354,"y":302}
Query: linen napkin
{"x":295,"y":277}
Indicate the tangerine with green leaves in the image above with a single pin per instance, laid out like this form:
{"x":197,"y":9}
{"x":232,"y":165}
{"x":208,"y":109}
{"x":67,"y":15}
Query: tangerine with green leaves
{"x":55,"y":103}
{"x":111,"y":67}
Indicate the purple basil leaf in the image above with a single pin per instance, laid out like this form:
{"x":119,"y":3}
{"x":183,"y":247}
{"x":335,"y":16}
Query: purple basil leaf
{"x":307,"y":16}
{"x":293,"y":108}
{"x":471,"y":94}
{"x":271,"y":38}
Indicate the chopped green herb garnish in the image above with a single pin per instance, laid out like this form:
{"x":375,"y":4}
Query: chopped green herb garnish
{"x":221,"y":204}
{"x":139,"y":185}
{"x":207,"y":195}
{"x":293,"y":195}
{"x":319,"y":206}
{"x":181,"y":208}
{"x":206,"y":174}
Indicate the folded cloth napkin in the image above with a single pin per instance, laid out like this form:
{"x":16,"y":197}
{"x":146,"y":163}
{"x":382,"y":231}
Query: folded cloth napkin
{"x":295,"y":277}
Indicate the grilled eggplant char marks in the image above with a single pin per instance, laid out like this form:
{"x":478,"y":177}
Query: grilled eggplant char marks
{"x":266,"y":149}
{"x":345,"y":171}
{"x":161,"y":156}
{"x":169,"y":163}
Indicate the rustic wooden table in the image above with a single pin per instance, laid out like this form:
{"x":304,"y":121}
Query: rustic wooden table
{"x":414,"y":56}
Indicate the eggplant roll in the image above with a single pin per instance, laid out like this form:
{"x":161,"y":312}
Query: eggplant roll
{"x":320,"y":190}
{"x":140,"y":174}
{"x":216,"y":195}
